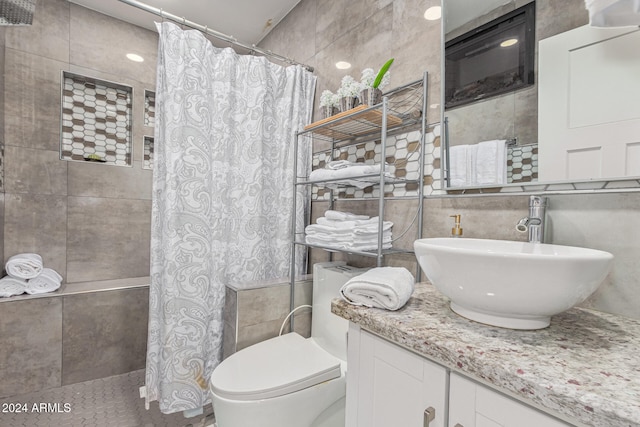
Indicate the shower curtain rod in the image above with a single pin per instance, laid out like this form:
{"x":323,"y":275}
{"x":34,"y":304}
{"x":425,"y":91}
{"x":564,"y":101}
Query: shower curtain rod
{"x":220,"y":36}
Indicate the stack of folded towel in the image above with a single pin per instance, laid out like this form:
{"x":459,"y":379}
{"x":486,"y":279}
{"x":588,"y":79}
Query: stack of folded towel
{"x":354,"y":174}
{"x":382,"y":287}
{"x":26,"y":273}
{"x":347,"y":231}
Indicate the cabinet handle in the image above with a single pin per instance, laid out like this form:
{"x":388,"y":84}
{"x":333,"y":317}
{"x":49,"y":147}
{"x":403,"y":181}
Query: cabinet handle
{"x":429,"y":415}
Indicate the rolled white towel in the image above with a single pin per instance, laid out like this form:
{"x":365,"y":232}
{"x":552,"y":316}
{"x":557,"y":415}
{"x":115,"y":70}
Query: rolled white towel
{"x":24,"y":266}
{"x":10,"y":286}
{"x":47,"y":281}
{"x":382,"y":287}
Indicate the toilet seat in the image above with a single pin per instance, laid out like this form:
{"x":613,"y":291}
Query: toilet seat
{"x":273,"y":368}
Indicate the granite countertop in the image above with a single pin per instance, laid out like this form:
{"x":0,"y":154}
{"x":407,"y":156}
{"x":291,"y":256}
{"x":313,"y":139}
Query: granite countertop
{"x":584,"y":366}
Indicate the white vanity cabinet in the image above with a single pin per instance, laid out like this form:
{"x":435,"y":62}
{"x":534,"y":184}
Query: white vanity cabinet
{"x":474,"y":405}
{"x":390,"y":386}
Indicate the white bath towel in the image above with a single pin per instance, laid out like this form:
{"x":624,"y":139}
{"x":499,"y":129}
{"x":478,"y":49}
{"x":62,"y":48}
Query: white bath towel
{"x":613,"y":13}
{"x":24,"y":266}
{"x":47,"y":281}
{"x":344,"y":216}
{"x":358,"y":175}
{"x":369,"y":245}
{"x":382,"y":287}
{"x":372,"y":228}
{"x":344,"y":224}
{"x":340,"y":164}
{"x":323,"y":229}
{"x":458,"y":166}
{"x":491,"y":162}
{"x":10,"y":286}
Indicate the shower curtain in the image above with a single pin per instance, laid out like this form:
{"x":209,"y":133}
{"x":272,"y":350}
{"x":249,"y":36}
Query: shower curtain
{"x":222,"y":199}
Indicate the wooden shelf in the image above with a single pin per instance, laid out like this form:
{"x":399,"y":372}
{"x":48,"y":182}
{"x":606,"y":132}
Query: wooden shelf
{"x":353,"y":123}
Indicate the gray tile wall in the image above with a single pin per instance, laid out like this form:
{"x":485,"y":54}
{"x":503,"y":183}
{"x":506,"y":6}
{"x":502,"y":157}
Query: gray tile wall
{"x":256,"y":313}
{"x":57,"y":340}
{"x":2,"y":63}
{"x":89,"y":221}
{"x":367,"y":32}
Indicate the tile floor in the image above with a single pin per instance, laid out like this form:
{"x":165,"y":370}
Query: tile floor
{"x":106,"y":402}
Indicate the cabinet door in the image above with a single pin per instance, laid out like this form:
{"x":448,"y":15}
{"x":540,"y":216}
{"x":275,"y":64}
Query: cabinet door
{"x":473,"y":405}
{"x":394,"y":386}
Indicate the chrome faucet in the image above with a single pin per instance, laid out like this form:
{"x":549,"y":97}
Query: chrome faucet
{"x":534,"y":223}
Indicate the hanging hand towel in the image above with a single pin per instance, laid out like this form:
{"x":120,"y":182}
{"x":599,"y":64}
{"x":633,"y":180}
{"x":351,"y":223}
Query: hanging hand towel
{"x":613,"y":13}
{"x":24,"y":266}
{"x":491,"y":162}
{"x":458,"y":166}
{"x":382,"y":287}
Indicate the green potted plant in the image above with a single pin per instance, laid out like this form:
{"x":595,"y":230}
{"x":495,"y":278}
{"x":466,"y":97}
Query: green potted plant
{"x":372,"y":84}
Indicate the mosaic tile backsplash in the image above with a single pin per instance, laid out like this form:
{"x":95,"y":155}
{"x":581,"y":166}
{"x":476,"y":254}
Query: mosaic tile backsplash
{"x":147,"y":162}
{"x":402,"y":155}
{"x":522,"y":163}
{"x":96,"y":120}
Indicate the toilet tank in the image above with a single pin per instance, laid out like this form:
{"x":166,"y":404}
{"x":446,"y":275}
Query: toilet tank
{"x":327,"y":329}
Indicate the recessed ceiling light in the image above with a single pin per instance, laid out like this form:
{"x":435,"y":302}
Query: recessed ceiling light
{"x":135,"y":58}
{"x":508,"y":42}
{"x":342,"y":65}
{"x":433,"y":13}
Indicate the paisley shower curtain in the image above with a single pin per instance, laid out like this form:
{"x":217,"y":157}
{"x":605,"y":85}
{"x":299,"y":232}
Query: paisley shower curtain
{"x":222,"y":199}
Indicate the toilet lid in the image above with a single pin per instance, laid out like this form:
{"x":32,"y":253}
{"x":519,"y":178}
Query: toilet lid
{"x":273,"y":368}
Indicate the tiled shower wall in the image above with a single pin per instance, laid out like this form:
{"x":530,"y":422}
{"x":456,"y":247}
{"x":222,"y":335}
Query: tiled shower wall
{"x":89,"y":221}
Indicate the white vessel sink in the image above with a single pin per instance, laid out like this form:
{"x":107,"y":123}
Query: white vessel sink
{"x":514,"y":285}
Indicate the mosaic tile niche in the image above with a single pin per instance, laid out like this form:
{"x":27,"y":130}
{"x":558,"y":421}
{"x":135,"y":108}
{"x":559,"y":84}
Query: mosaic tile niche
{"x":96,"y":120}
{"x":402,"y":155}
{"x":147,"y":163}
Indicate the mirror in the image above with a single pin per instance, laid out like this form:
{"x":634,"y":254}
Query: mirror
{"x":512,"y":117}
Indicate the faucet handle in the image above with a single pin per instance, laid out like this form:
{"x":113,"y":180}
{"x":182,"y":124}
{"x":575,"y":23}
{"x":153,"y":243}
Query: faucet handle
{"x":456,"y":231}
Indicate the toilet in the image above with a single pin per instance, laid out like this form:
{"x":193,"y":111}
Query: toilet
{"x":290,"y":381}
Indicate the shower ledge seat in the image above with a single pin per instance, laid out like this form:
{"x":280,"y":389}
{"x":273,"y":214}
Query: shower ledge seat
{"x":86,"y":287}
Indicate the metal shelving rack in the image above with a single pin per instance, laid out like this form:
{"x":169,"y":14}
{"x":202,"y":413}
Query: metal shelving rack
{"x":402,"y":109}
